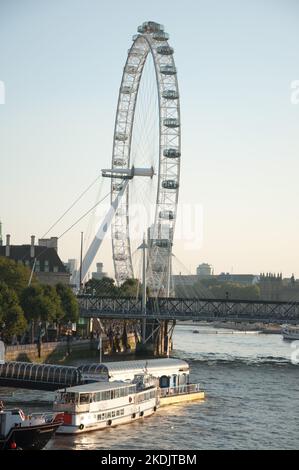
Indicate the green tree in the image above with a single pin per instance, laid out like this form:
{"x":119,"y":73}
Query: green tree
{"x":54,"y":299}
{"x":12,"y":318}
{"x":15,"y":322}
{"x":69,"y":303}
{"x":15,"y":275}
{"x":102,"y":287}
{"x":36,"y":305}
{"x":130,"y":288}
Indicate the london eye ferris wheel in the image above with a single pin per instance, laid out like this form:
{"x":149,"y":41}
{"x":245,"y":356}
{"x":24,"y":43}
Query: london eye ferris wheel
{"x":146,"y":151}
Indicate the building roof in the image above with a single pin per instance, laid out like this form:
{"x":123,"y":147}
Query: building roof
{"x":96,"y":387}
{"x":156,"y":367}
{"x":21,"y":253}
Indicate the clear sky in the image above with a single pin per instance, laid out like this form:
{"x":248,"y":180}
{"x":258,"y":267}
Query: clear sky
{"x":61,"y":62}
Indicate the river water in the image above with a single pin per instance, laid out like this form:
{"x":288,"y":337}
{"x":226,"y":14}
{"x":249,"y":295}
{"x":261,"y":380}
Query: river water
{"x":252,"y":394}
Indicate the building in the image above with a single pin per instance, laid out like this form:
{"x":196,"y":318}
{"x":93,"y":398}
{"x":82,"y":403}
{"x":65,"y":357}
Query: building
{"x":49,"y":242}
{"x":275,"y":287}
{"x":48,"y":267}
{"x":99,"y":274}
{"x":204,"y":270}
{"x":71,"y":266}
{"x":244,"y":279}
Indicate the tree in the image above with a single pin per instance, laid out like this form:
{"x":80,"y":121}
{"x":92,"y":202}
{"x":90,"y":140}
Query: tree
{"x":15,"y":323}
{"x":130,"y":288}
{"x":69,"y":303}
{"x":102,"y":287}
{"x":12,"y":320}
{"x":37,"y":305}
{"x":15,"y":275}
{"x":53,"y":298}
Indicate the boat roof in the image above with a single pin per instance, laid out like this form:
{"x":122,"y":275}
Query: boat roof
{"x":162,"y":366}
{"x":95,"y":387}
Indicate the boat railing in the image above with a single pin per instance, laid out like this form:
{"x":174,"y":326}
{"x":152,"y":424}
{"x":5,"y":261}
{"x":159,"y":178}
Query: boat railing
{"x":181,"y":389}
{"x":47,"y":417}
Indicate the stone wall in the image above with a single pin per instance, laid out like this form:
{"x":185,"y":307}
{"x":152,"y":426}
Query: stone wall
{"x":58,"y":352}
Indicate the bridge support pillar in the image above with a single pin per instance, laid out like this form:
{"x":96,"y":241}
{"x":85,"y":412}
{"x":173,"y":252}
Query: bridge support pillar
{"x":158,"y":340}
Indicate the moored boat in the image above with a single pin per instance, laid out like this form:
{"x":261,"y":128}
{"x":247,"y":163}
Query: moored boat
{"x":18,"y":431}
{"x":102,"y":405}
{"x":290,"y":333}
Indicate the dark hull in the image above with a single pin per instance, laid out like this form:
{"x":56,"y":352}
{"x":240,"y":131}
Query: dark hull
{"x":29,"y":438}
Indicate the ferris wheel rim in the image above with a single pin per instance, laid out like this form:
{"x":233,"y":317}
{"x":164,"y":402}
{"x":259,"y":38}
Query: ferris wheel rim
{"x":169,"y":125}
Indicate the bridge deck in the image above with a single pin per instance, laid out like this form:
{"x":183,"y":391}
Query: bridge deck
{"x":190,"y":309}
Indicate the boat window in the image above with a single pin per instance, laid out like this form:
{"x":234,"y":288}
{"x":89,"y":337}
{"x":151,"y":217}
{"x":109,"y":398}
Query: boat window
{"x":113,"y":414}
{"x":98,"y":396}
{"x":116,"y":393}
{"x":122,"y":412}
{"x":112,"y":394}
{"x":84,"y":398}
{"x":164,"y":381}
{"x":117,"y":412}
{"x":106,"y":395}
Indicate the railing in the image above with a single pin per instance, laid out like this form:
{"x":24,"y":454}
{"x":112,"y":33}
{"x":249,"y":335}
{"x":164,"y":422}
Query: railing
{"x":194,"y":309}
{"x":181,"y":389}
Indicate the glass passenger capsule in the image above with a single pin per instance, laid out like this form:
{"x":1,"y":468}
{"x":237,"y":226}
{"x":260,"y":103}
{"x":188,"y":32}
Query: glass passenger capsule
{"x":171,"y":122}
{"x":170,"y":94}
{"x":119,"y":161}
{"x":150,"y":27}
{"x":162,"y":243}
{"x":171,"y":153}
{"x":168,"y":70}
{"x":161,"y":36}
{"x":131,"y":69}
{"x":121,"y":136}
{"x":169,"y":215}
{"x":126,"y":90}
{"x":120,"y":257}
{"x":165,"y":50}
{"x":170,"y":184}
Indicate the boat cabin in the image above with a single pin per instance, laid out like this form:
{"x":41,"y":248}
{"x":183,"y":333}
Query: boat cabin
{"x":170,"y":372}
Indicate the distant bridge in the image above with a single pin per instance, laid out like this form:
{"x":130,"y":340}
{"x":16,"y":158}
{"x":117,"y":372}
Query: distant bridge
{"x":190,"y":309}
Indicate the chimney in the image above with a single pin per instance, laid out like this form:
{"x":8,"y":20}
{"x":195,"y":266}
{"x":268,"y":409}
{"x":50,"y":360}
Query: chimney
{"x":7,"y":247}
{"x":32,"y":249}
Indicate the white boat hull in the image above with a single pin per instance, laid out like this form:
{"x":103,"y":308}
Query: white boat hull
{"x":85,"y":422}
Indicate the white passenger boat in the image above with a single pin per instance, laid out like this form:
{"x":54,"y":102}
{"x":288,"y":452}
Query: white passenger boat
{"x":104,"y":404}
{"x":172,"y":376}
{"x":290,"y":333}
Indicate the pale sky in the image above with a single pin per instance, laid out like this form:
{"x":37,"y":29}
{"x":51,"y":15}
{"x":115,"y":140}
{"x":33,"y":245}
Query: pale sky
{"x":61,"y":62}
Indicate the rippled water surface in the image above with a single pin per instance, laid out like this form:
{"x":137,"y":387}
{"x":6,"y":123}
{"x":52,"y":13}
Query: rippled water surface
{"x":252,"y":393}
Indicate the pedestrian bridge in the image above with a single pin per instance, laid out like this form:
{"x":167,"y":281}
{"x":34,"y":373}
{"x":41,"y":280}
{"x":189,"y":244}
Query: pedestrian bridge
{"x":190,"y":309}
{"x":38,"y":376}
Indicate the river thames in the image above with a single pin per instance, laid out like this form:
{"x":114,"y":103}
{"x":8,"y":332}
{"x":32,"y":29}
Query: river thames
{"x":252,"y":392}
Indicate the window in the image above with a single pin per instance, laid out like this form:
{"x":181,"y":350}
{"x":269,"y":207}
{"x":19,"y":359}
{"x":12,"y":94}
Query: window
{"x":84,"y":398}
{"x":55,"y":269}
{"x":46,"y":266}
{"x":113,"y":414}
{"x":122,"y":412}
{"x":117,"y":412}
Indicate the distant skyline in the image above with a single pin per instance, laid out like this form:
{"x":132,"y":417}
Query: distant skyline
{"x":61,"y":64}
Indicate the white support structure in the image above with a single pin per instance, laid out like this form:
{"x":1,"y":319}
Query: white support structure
{"x":100,"y":235}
